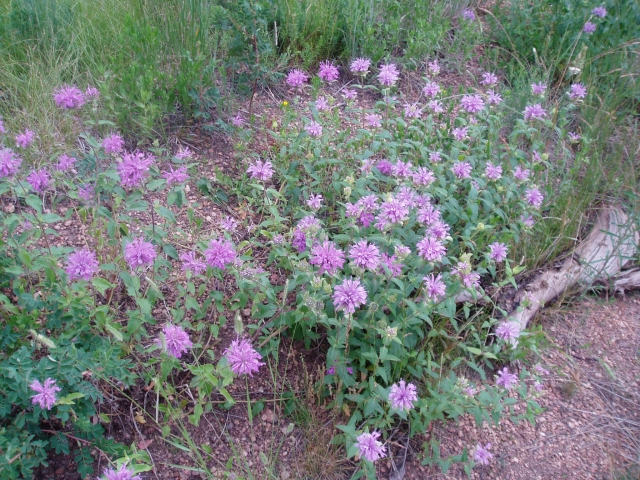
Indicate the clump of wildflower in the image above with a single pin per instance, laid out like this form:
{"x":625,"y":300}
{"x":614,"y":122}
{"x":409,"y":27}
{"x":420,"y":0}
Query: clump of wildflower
{"x":462,"y":169}
{"x":191,"y":262}
{"x":327,"y":257}
{"x":401,"y":169}
{"x":349,"y":94}
{"x":220,"y":253}
{"x":489,"y":79}
{"x":370,"y":447}
{"x":435,"y":106}
{"x":360,"y":66}
{"x":472,"y":103}
{"x":176,"y":340}
{"x":538,"y":88}
{"x":82,"y":264}
{"x":138,"y":252}
{"x":297,"y":78}
{"x":589,"y":28}
{"x":423,"y":176}
{"x":243,"y":358}
{"x":469,"y":15}
{"x":123,"y":473}
{"x":65,"y":163}
{"x":534,"y":197}
{"x":521,"y":174}
{"x":261,"y":170}
{"x":91,"y":92}
{"x":574,"y":137}
{"x":373,"y":120}
{"x":39,"y":180}
{"x":25,"y":138}
{"x":431,"y":249}
{"x":134,"y":168}
{"x":384,"y":166}
{"x":86,"y":192}
{"x":435,"y":157}
{"x":600,"y":12}
{"x":9,"y":162}
{"x":328,"y":71}
{"x":69,"y":96}
{"x":238,"y":120}
{"x":113,"y":143}
{"x":403,"y":395}
{"x":493,"y":98}
{"x":527,"y":220}
{"x":229,"y":224}
{"x":388,"y":74}
{"x":431,"y":89}
{"x":314,"y":129}
{"x":278,"y":239}
{"x":482,"y":455}
{"x":508,"y":331}
{"x":493,"y":172}
{"x":534,"y":112}
{"x":498,"y":252}
{"x":412,"y":111}
{"x":460,"y":133}
{"x":392,"y":264}
{"x":322,"y":104}
{"x":45,"y":395}
{"x":393,"y":211}
{"x":506,"y":379}
{"x":315,"y":201}
{"x":434,"y":287}
{"x":578,"y":91}
{"x":176,"y":176}
{"x":434,"y":67}
{"x":183,"y":153}
{"x":349,"y":296}
{"x":365,"y":255}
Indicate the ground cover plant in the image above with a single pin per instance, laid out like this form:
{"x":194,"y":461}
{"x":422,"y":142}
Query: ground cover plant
{"x":396,"y":222}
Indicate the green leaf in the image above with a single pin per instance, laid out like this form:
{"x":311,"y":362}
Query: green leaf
{"x":69,"y":399}
{"x":101,"y":285}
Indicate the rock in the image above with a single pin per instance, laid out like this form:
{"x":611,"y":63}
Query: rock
{"x":269,"y":416}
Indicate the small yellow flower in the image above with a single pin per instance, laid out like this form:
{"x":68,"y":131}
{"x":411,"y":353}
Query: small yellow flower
{"x":285,"y":103}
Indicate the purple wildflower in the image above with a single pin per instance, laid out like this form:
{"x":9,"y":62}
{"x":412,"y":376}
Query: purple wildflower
{"x":412,"y":111}
{"x":392,"y":264}
{"x":428,"y":215}
{"x":578,"y":90}
{"x":91,"y":92}
{"x":482,"y":454}
{"x":9,"y":162}
{"x":489,"y":79}
{"x":431,"y":89}
{"x":589,"y":28}
{"x":349,"y":94}
{"x":328,"y":71}
{"x":86,"y":192}
{"x":299,"y":240}
{"x":431,"y":249}
{"x":296,"y":78}
{"x":460,"y":133}
{"x":123,"y":473}
{"x":423,"y":176}
{"x":327,"y":257}
{"x":574,"y":137}
{"x":599,"y":12}
{"x":314,"y":129}
{"x":229,"y":224}
{"x":220,"y":253}
{"x":434,"y":286}
{"x":176,"y":340}
{"x":238,"y":120}
{"x":535,"y":157}
{"x":183,"y":153}
{"x":373,"y":120}
{"x":138,"y":252}
{"x":25,"y":138}
{"x":394,"y":211}
{"x":403,"y":395}
{"x":69,"y":96}
{"x":388,"y":74}
{"x":384,"y":166}
{"x":261,"y":170}
{"x":538,"y":386}
{"x":434,"y":67}
{"x":243,"y":358}
{"x":45,"y":395}
{"x":535,"y":112}
{"x":498,"y":252}
{"x":435,"y":106}
{"x":365,"y":255}
{"x":401,"y":169}
{"x":82,"y":264}
{"x":322,"y":104}
{"x":176,"y":176}
{"x":360,"y":66}
{"x":493,"y":172}
{"x":521,"y":174}
{"x":191,"y":262}
{"x":134,"y":168}
{"x":349,"y":296}
{"x":462,"y":169}
{"x":527,"y":220}
{"x":472,"y":103}
{"x":438,"y":229}
{"x":538,"y":88}
{"x":435,"y":157}
{"x":65,"y":163}
{"x":315,"y":201}
{"x":469,"y":15}
{"x":506,"y":379}
{"x":534,"y":197}
{"x":369,"y":447}
{"x":494,"y":98}
{"x":113,"y":143}
{"x":39,"y":180}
